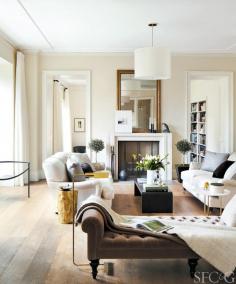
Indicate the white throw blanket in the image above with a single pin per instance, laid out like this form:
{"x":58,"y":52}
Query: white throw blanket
{"x":214,"y":243}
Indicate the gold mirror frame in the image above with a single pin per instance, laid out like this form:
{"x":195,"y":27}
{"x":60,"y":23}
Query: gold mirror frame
{"x":158,"y":96}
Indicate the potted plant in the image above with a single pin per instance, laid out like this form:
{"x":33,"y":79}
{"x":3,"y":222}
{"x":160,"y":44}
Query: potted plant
{"x":151,"y":164}
{"x":183,"y":146}
{"x":96,"y":145}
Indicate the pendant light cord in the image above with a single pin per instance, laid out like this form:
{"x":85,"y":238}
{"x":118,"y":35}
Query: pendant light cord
{"x":152,"y":25}
{"x":152,"y":36}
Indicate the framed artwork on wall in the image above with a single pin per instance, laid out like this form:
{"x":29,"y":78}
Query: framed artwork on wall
{"x":79,"y":124}
{"x":123,"y":121}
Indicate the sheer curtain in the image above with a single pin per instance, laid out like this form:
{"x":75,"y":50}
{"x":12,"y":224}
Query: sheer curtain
{"x":66,"y":122}
{"x":21,"y":135}
{"x":57,"y":117}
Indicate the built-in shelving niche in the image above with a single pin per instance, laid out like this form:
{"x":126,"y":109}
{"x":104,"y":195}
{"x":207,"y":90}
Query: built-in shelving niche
{"x":198,"y":130}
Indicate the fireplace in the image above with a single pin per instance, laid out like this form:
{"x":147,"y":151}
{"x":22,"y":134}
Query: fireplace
{"x":128,"y":155}
{"x":141,"y":143}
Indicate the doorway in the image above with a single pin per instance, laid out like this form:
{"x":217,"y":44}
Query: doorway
{"x":66,"y":100}
{"x":210,"y":112}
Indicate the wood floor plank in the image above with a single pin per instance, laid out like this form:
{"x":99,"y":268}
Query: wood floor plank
{"x":35,"y":248}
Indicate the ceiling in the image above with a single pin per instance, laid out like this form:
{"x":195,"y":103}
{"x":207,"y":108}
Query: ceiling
{"x":186,"y":26}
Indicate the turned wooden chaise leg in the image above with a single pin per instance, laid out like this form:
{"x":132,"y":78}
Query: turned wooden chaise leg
{"x":94,"y":264}
{"x":192,"y":262}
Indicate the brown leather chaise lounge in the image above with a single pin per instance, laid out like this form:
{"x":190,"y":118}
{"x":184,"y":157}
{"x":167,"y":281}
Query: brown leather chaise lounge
{"x":103,"y":244}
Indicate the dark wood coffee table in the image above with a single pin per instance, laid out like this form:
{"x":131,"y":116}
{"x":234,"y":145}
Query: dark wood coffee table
{"x":154,"y":202}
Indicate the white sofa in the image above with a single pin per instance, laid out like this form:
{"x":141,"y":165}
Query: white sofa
{"x":195,"y":177}
{"x":56,"y":175}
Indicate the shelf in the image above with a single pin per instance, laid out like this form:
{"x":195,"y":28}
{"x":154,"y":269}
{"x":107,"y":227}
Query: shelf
{"x":198,"y":115}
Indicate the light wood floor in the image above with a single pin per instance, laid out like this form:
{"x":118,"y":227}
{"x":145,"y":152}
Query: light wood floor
{"x":35,"y":248}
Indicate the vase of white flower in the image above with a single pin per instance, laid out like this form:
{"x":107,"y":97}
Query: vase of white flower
{"x":151,"y":176}
{"x":152,"y":164}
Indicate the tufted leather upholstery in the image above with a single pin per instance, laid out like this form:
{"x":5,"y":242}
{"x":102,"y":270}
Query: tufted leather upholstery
{"x":105,"y":244}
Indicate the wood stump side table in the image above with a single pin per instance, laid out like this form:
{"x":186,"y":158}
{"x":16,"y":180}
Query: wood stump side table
{"x":65,"y":205}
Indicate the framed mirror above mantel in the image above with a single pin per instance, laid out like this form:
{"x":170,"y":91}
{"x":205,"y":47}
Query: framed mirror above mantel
{"x":143,"y":98}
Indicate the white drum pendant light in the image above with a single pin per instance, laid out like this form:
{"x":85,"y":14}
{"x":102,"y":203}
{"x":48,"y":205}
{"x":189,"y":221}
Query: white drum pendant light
{"x":152,"y":63}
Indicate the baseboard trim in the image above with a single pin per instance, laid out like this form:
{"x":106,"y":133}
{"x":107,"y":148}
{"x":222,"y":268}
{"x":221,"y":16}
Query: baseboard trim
{"x":37,"y":175}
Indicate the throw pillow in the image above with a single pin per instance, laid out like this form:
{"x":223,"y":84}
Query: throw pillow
{"x":229,"y":214}
{"x":82,"y":158}
{"x":220,"y":171}
{"x":86,"y":168}
{"x":74,"y":170}
{"x":212,"y":160}
{"x":231,"y":172}
{"x":232,"y":157}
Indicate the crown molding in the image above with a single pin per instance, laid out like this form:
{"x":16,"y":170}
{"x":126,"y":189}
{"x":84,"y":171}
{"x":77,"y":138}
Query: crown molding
{"x":122,"y":53}
{"x":7,"y":41}
{"x":31,"y":51}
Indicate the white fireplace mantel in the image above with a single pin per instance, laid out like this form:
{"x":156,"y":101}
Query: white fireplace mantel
{"x":165,"y":148}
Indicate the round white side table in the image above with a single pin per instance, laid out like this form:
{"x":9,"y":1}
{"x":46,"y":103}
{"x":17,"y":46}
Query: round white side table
{"x":207,"y":194}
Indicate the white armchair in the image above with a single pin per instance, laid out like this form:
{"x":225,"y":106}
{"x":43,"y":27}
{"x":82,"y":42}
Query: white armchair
{"x":56,"y":175}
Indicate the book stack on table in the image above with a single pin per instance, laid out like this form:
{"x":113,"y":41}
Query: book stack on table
{"x":155,"y":187}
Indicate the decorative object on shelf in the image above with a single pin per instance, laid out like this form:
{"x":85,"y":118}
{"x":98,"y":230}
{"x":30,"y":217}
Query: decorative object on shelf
{"x":79,"y":124}
{"x":183,"y":146}
{"x":96,"y":145}
{"x":123,"y":121}
{"x":152,"y":164}
{"x":123,"y":175}
{"x":152,"y":63}
{"x":165,"y":128}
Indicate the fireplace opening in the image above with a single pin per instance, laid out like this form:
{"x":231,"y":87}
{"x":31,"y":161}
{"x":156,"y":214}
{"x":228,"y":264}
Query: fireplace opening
{"x":128,"y":154}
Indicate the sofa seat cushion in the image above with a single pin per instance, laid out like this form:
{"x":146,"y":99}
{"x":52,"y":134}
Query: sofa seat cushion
{"x":199,"y":181}
{"x":190,"y":174}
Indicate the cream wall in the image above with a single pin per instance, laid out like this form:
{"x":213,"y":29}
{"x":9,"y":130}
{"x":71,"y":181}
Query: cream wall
{"x":103,"y":86}
{"x":77,"y":97}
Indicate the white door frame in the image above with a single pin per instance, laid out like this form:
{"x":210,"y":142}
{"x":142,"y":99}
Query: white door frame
{"x":208,"y":75}
{"x":47,"y":108}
